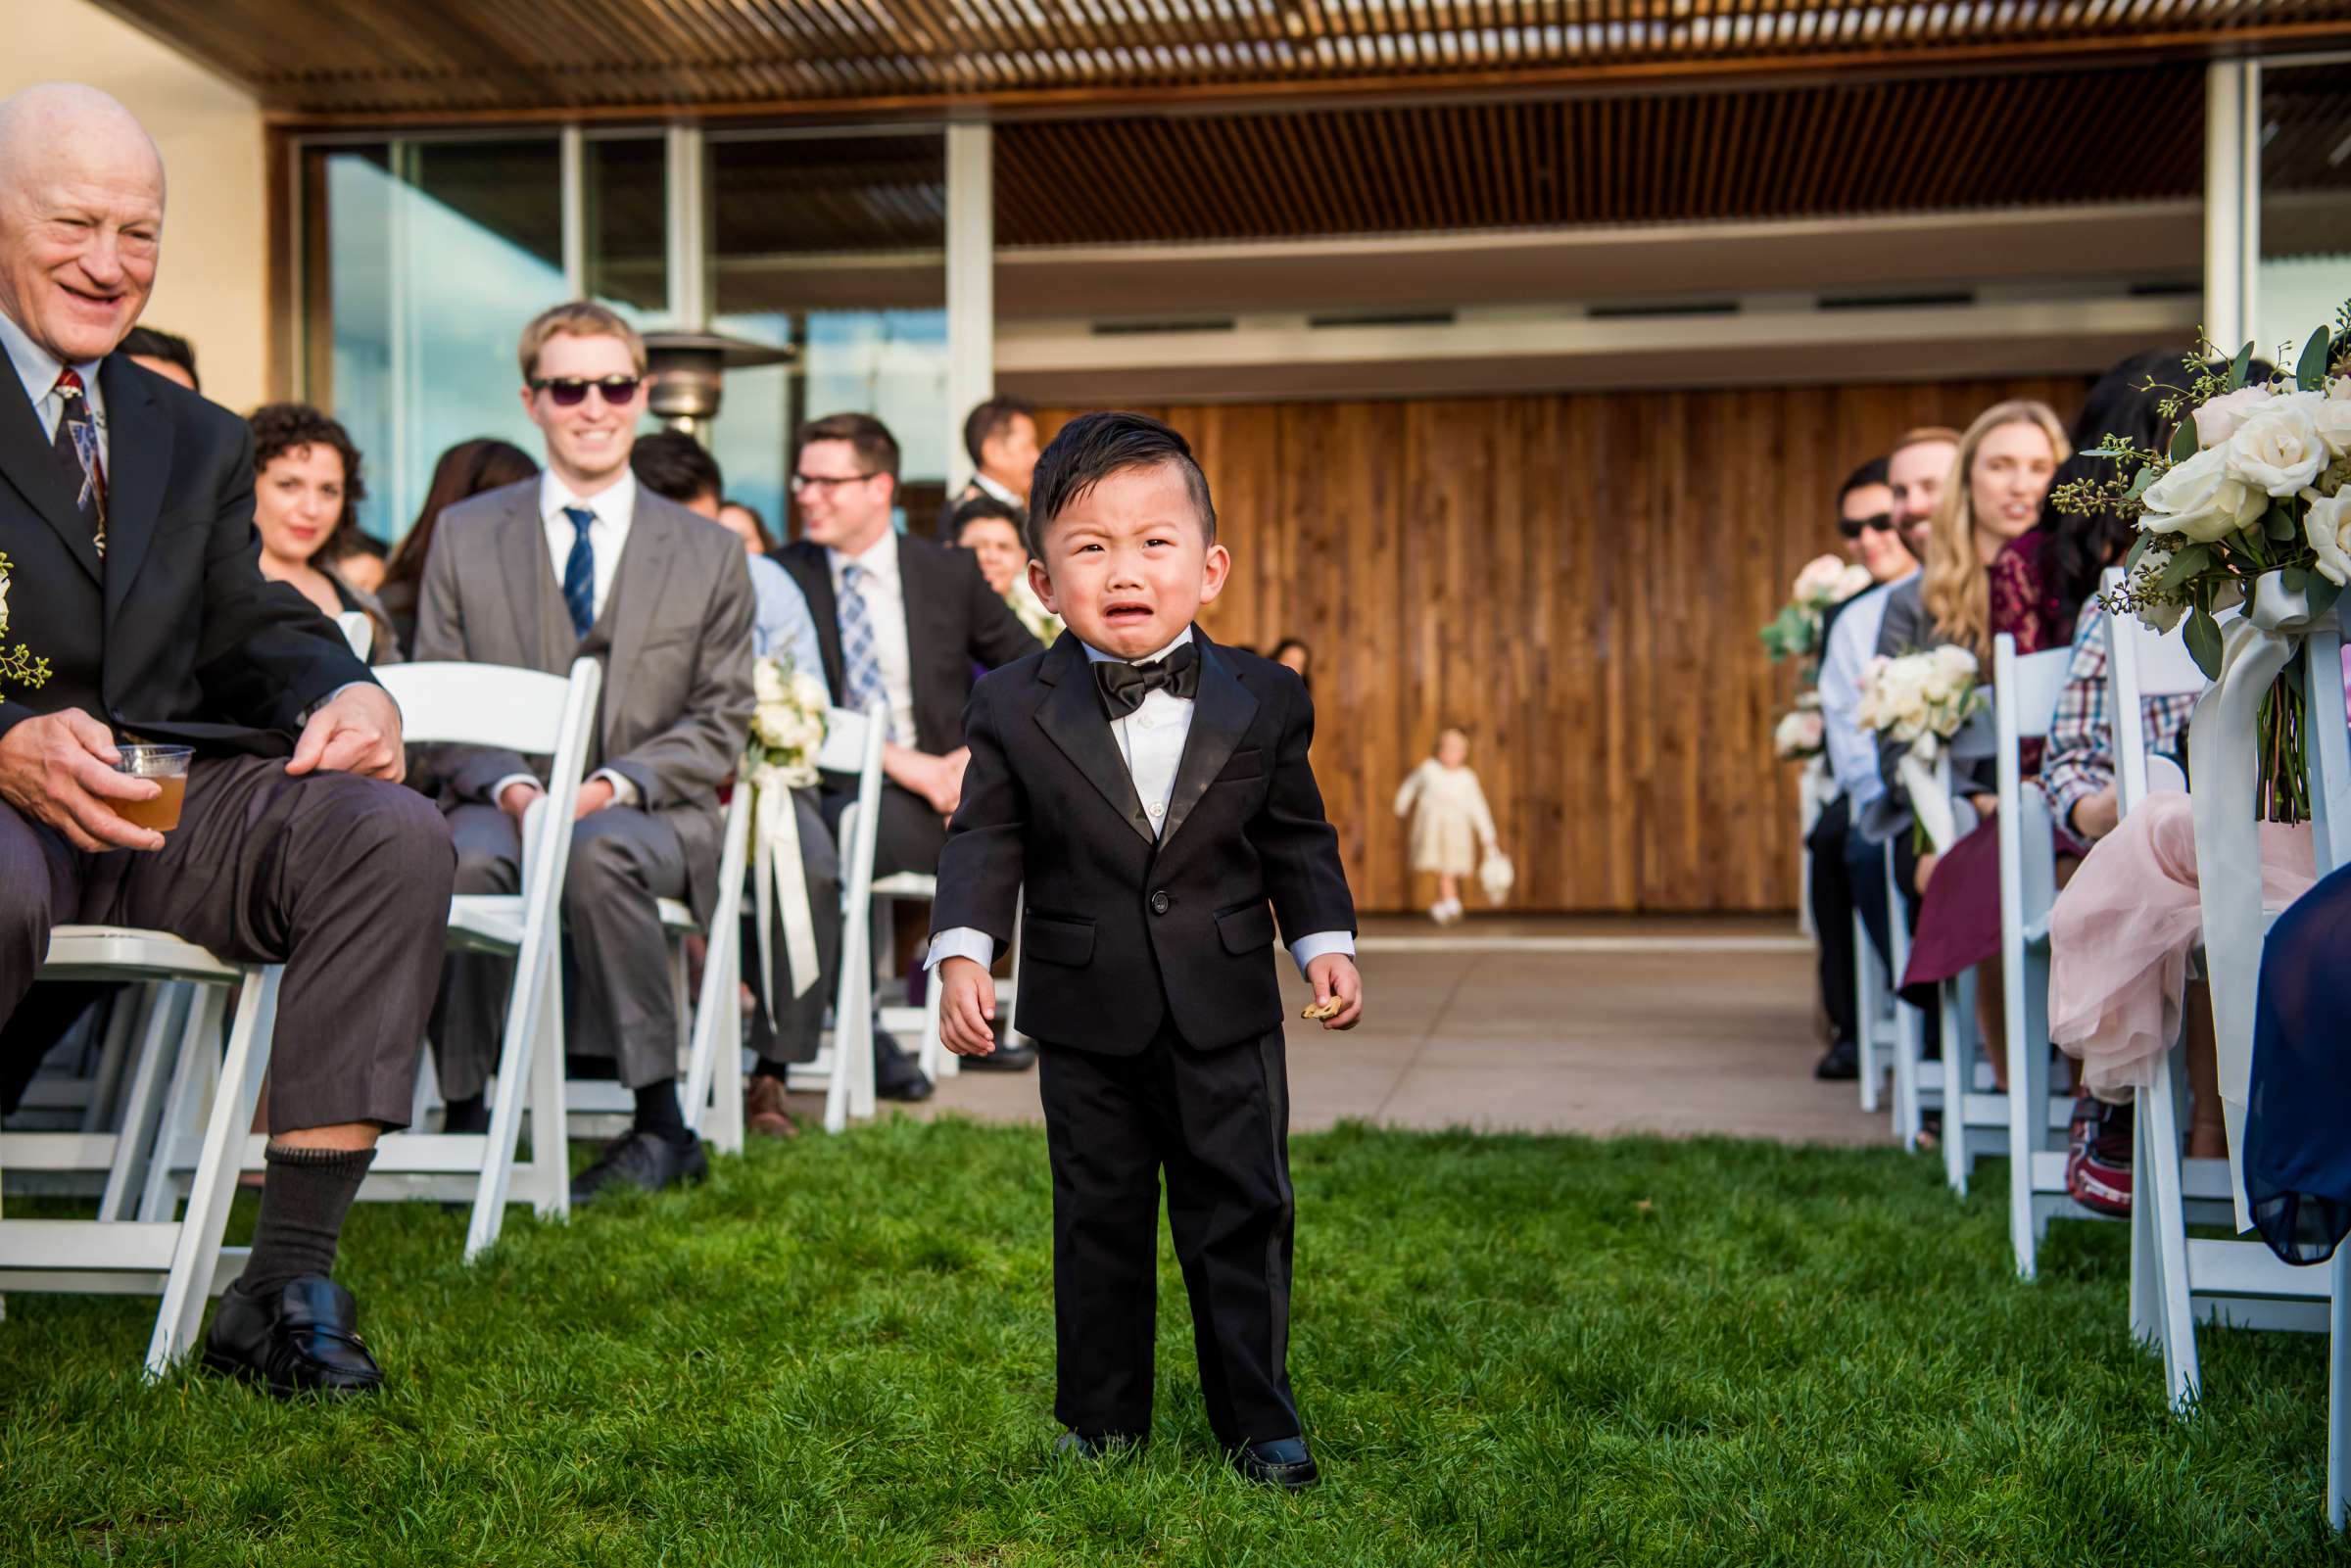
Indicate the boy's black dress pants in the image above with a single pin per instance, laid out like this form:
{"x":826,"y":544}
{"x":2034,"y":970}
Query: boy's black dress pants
{"x":1218,"y":1123}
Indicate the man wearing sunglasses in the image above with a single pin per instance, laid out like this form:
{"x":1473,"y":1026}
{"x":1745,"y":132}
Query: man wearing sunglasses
{"x":581,"y":560}
{"x":908,"y":622}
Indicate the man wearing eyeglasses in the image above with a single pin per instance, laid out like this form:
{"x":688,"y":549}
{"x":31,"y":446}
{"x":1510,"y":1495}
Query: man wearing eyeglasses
{"x":909,"y":623}
{"x":582,"y":560}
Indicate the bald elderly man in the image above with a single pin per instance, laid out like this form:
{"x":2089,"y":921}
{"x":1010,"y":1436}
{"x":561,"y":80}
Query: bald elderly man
{"x":126,"y":517}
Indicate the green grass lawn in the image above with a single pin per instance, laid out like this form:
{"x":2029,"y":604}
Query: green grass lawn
{"x":1509,"y":1350}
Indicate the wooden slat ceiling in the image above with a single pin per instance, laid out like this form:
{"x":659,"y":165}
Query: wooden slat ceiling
{"x":423,"y":58}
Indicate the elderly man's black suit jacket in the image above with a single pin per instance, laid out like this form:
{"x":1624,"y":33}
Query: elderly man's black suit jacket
{"x":176,"y":636}
{"x":1121,"y":927}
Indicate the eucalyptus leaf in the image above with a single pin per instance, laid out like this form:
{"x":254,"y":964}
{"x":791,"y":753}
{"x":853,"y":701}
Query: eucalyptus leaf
{"x":2138,"y":484}
{"x":2138,"y":549}
{"x":2204,"y":644}
{"x":2240,"y":367}
{"x":2280,"y":523}
{"x":2184,"y":565}
{"x":2323,"y":590}
{"x":2293,"y":578}
{"x":2310,"y":375}
{"x":2184,"y":441}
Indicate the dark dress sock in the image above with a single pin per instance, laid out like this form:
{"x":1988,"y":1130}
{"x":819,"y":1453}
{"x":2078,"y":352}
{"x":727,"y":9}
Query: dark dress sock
{"x":658,"y":1112}
{"x":469,"y":1114}
{"x":308,"y":1193}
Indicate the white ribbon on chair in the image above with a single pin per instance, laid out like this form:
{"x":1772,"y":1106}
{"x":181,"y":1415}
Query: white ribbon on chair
{"x":2223,"y":777}
{"x":1930,"y":800}
{"x":778,"y":872}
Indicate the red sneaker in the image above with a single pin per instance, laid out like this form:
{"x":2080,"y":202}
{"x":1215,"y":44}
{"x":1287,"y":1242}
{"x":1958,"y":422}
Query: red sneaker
{"x":2098,"y":1157}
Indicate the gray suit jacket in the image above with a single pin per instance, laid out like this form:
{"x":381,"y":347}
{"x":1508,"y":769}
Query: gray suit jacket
{"x":675,"y":639}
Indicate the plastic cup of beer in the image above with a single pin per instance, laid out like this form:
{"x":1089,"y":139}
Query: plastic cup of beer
{"x":168,"y":766}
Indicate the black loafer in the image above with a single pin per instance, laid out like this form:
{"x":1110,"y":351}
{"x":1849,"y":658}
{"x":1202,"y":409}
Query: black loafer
{"x":299,"y":1339}
{"x":1007,"y":1056}
{"x":645,"y":1161}
{"x":910,"y":1091}
{"x":1079,"y":1445}
{"x":1841,"y":1063}
{"x":1283,"y":1462}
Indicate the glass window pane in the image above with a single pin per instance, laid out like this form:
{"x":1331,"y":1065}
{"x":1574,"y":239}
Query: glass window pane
{"x":835,"y":243}
{"x":424,"y":260}
{"x":627,"y":220}
{"x":2305,"y":202}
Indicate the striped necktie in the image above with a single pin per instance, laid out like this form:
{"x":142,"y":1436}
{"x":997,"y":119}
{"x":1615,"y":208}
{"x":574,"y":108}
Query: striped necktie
{"x":75,"y":446}
{"x":860,"y":665}
{"x":579,"y":571}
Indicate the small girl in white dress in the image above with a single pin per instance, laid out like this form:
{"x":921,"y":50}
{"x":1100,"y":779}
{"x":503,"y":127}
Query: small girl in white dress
{"x":1450,"y":821}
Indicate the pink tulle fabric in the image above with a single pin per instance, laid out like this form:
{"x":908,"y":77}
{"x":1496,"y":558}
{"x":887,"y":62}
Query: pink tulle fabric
{"x":2120,"y":932}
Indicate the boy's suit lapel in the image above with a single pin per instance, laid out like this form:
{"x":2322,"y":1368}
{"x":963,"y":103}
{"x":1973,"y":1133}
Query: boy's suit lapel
{"x":1222,"y":711}
{"x":1071,"y":716}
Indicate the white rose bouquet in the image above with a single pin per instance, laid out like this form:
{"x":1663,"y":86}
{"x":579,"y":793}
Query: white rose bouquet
{"x":1921,"y":700}
{"x":2250,"y":504}
{"x":1826,"y":582}
{"x":1800,"y":735}
{"x":17,"y":661}
{"x":788,"y":713}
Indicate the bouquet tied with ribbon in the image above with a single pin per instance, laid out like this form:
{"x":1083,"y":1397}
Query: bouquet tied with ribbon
{"x":1922,"y":700}
{"x":788,"y":732}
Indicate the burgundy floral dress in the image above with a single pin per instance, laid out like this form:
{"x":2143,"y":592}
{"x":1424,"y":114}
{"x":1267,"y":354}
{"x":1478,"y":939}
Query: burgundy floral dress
{"x":1959,"y":918}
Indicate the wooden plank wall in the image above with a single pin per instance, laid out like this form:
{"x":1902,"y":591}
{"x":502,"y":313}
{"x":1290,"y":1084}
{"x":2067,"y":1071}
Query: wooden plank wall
{"x":1577,"y":579}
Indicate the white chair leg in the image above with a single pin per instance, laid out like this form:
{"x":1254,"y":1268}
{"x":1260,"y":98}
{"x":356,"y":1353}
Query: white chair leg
{"x":1869,"y":1012}
{"x":2338,"y":1388}
{"x":2160,"y":1183}
{"x":551,"y":1147}
{"x":188,"y":1286}
{"x":2027,"y":1098}
{"x":159,"y":1007}
{"x":938,"y":1061}
{"x":1958,"y":1082}
{"x":1909,"y":1050}
{"x":123,"y":1013}
{"x":2146,"y":1257}
{"x":522,"y":1039}
{"x":428,"y":1090}
{"x":191,"y":1081}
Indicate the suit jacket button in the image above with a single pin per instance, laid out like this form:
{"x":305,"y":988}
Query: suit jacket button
{"x":1160,"y":902}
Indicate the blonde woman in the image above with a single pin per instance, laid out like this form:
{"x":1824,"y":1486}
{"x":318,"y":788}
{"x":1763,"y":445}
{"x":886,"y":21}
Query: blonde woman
{"x":1990,"y":570}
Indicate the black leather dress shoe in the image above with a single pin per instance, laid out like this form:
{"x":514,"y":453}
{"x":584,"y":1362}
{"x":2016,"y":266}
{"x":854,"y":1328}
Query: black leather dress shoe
{"x":1283,"y":1462}
{"x":299,"y":1339}
{"x":645,"y":1161}
{"x":1841,"y":1063}
{"x":912,"y":1090}
{"x":1007,"y":1056}
{"x":1077,"y":1446}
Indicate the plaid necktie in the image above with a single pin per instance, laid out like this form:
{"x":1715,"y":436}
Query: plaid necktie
{"x":75,"y":446}
{"x":860,"y":665}
{"x":579,"y":572}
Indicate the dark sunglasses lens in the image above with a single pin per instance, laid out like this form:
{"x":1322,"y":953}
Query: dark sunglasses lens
{"x":1849,"y":528}
{"x":619,"y":389}
{"x":566,"y":393}
{"x":1883,"y":522}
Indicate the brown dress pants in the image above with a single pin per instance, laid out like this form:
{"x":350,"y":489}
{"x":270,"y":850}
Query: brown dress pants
{"x":345,"y":880}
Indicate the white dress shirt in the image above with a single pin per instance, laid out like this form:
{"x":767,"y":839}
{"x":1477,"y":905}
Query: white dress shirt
{"x":884,"y":596}
{"x":989,"y":487}
{"x":1852,"y":641}
{"x":615,"y":509}
{"x":1151,"y":739}
{"x":38,"y":369}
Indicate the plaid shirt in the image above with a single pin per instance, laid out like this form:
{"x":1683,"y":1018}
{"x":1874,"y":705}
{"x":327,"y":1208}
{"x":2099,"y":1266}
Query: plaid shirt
{"x":2080,"y":761}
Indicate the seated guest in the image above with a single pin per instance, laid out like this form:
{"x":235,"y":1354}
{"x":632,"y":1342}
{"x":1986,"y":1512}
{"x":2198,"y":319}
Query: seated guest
{"x":676,"y":468}
{"x":465,"y":470}
{"x":1865,"y":519}
{"x":999,"y":436}
{"x":1293,"y":652}
{"x":1915,"y":474}
{"x":360,"y":561}
{"x":1986,"y":574}
{"x":903,"y":621}
{"x":166,"y":354}
{"x":745,"y":523}
{"x":992,"y":531}
{"x":127,"y":520}
{"x":307,"y":489}
{"x":583,"y":561}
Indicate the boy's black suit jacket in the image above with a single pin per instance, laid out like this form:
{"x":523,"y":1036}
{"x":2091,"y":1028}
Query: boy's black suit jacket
{"x":175,"y":635}
{"x":953,"y":619}
{"x":1122,"y":927}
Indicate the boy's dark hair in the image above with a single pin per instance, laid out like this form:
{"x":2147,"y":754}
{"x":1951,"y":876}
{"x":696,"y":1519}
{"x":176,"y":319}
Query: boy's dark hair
{"x":1091,"y":447}
{"x":992,"y":419}
{"x":1876,"y":471}
{"x":976,"y":508}
{"x":169,"y":347}
{"x":675,"y":466}
{"x":877,"y":449}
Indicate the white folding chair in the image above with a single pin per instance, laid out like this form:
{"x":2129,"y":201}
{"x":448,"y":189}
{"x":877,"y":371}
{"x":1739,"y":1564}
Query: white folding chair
{"x":1876,"y":1024}
{"x":539,"y":714}
{"x":2177,"y":1279}
{"x":2024,"y":689}
{"x":1814,"y":790}
{"x":178,"y":1255}
{"x":844,"y":1067}
{"x":1918,"y":1084}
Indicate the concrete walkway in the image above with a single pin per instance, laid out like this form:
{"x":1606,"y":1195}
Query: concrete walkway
{"x":1567,"y":1025}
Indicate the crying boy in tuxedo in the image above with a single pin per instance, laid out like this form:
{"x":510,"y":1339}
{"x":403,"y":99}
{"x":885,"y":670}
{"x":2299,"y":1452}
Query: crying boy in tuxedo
{"x":1150,"y":790}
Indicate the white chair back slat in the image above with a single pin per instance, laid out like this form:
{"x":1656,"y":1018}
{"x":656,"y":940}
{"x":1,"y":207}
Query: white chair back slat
{"x":2142,"y":662}
{"x":481,"y":704}
{"x":2327,"y":747}
{"x":359,"y":631}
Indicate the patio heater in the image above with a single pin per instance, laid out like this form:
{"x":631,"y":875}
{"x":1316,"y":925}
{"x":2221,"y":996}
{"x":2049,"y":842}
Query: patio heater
{"x":689,"y":373}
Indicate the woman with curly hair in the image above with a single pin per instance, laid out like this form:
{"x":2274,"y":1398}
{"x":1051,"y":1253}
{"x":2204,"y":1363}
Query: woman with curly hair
{"x":306,"y":487}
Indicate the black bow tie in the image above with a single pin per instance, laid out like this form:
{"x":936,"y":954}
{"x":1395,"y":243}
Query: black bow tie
{"x":1125,"y":686}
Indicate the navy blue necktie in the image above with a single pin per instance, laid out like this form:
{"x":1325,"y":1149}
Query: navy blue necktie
{"x":579,"y":572}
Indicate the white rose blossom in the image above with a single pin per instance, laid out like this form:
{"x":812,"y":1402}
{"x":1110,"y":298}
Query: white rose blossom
{"x":2327,"y":524}
{"x":1816,"y":584}
{"x":2331,"y":413}
{"x":2219,"y":419}
{"x":2202,"y":499}
{"x":1855,"y":579}
{"x":2277,"y":450}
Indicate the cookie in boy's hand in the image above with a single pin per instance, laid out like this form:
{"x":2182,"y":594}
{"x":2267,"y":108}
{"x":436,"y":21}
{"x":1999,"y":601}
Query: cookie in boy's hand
{"x":1317,"y":1012}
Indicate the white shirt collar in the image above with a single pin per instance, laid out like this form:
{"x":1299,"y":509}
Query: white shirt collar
{"x":37,"y":367}
{"x":1000,"y":492}
{"x":1095,"y":655}
{"x":615,"y":504}
{"x":879,"y":560}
